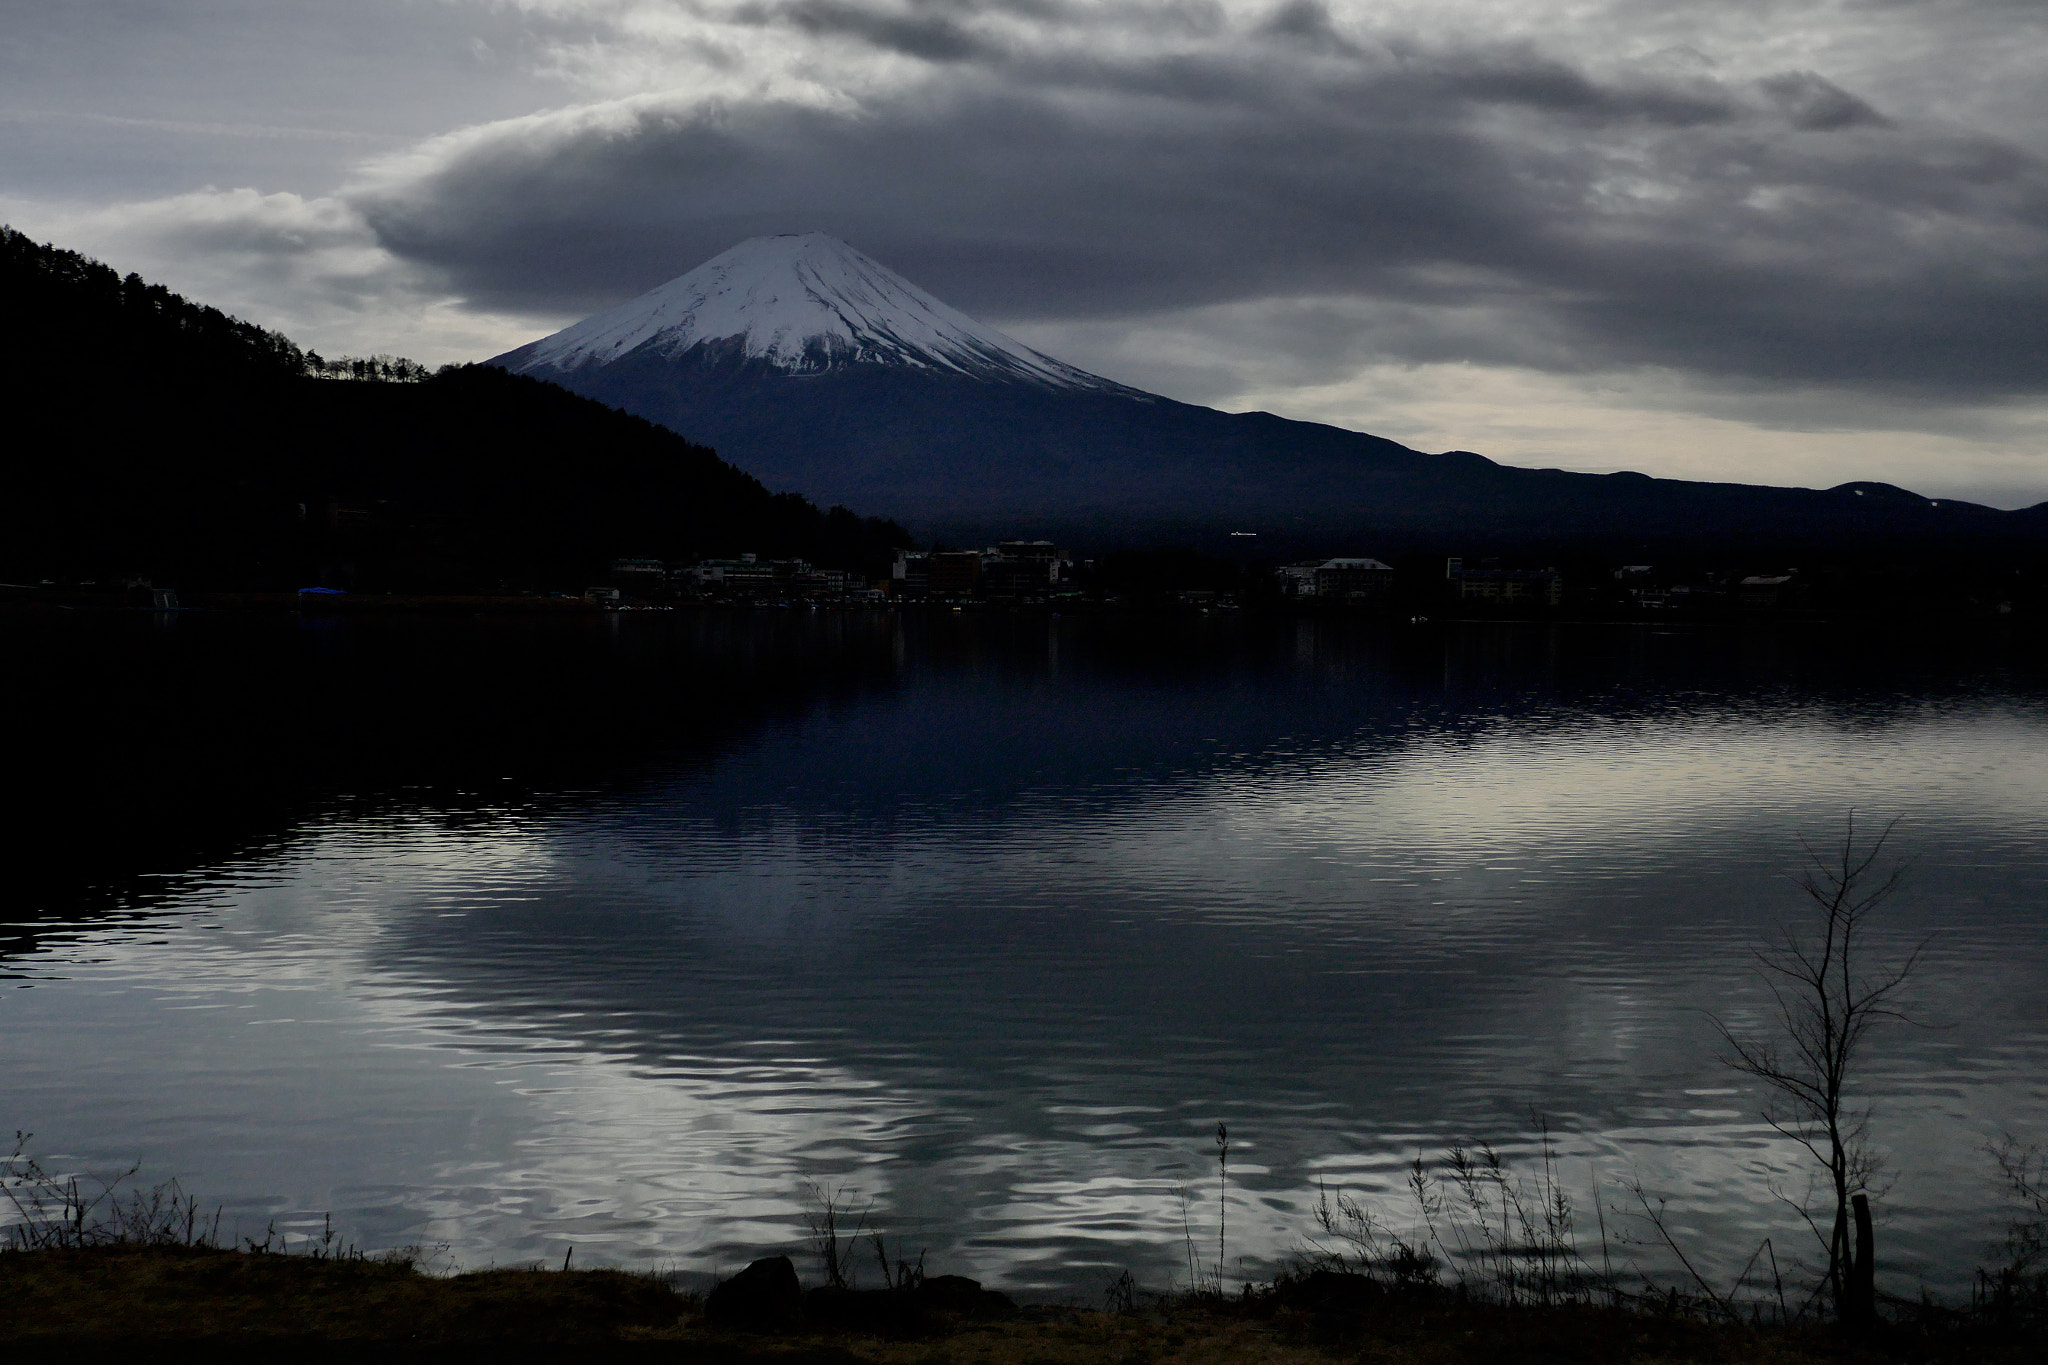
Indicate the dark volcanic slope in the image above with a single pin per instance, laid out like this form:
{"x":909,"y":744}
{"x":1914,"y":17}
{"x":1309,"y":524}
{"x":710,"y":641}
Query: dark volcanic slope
{"x":964,"y":456}
{"x":820,"y":371}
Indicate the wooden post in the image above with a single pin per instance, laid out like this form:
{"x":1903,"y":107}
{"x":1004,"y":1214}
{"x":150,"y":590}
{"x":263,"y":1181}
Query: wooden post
{"x":1862,"y":1286}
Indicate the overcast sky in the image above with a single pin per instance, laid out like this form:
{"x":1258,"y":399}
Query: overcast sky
{"x":1785,"y":241}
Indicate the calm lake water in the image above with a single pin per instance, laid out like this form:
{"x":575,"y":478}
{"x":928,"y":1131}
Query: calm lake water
{"x":512,"y":936}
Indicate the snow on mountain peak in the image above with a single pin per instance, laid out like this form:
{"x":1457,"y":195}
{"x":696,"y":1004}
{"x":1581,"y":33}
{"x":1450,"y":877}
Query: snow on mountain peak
{"x":804,"y":303}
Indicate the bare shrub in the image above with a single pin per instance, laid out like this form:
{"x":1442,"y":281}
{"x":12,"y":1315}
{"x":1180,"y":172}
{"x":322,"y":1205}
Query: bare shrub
{"x":1826,"y":999}
{"x":826,"y":1210}
{"x":2018,"y":1289}
{"x":52,"y":1211}
{"x":1480,"y":1227}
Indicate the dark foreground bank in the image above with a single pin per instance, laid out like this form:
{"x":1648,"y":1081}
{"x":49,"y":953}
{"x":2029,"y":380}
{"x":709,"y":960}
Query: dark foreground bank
{"x":142,"y":1302}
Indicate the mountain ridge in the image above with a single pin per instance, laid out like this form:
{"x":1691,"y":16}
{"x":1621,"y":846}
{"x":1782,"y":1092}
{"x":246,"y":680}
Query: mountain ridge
{"x":801,"y":361}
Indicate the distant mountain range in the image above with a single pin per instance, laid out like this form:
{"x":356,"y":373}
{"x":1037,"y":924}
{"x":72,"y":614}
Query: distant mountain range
{"x":821,"y":371}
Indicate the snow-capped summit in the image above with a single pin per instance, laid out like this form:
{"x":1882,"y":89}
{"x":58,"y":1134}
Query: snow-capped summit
{"x":806,"y":304}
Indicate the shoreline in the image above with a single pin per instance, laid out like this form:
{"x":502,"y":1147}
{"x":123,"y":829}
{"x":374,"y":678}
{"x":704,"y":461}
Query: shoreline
{"x":108,"y":1298}
{"x":57,"y":604}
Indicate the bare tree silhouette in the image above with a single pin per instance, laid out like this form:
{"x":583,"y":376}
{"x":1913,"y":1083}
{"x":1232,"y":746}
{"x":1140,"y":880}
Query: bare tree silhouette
{"x":1826,"y":1002}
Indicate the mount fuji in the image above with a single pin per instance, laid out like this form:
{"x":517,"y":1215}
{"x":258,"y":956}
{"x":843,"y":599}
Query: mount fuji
{"x":823,"y":372}
{"x":804,"y":304}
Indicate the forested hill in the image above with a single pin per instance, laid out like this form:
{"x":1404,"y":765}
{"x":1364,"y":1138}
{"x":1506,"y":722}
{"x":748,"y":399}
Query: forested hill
{"x":154,"y":435}
{"x":64,"y":308}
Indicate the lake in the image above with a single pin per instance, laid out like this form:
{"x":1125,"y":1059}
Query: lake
{"x":510,"y":936}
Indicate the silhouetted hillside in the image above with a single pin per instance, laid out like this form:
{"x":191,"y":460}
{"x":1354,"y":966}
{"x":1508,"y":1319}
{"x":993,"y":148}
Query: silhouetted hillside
{"x":154,"y":435}
{"x":64,"y":310}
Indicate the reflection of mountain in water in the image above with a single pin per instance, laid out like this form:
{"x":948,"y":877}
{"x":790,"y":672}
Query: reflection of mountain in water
{"x":162,"y":750}
{"x":1072,"y":866}
{"x":1003,"y":911}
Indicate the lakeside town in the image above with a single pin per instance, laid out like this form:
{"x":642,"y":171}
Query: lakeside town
{"x":1039,"y":571}
{"x":1024,"y":573}
{"x":1041,"y":574}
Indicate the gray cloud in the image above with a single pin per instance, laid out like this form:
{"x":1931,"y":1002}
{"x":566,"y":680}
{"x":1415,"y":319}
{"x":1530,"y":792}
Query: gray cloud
{"x":1815,"y":104}
{"x":928,"y":32}
{"x":1768,"y":196}
{"x":127,"y":98}
{"x":1775,"y":229}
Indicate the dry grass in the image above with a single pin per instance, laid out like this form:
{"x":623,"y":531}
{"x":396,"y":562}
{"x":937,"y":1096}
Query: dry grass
{"x":170,"y":1294}
{"x":157,"y":1297}
{"x":1450,"y":1335}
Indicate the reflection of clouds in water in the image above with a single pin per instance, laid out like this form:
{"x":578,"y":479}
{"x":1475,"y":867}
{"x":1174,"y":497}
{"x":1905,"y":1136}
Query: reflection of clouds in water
{"x":691,"y":1158}
{"x":697,"y":1154}
{"x":1600,"y":799}
{"x":702,"y":1163}
{"x":1519,"y":820}
{"x":1519,"y":802}
{"x":1009,"y":1020}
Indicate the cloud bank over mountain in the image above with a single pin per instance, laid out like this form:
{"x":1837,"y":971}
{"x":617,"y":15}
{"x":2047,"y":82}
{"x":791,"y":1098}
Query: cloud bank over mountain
{"x":1803,"y":216}
{"x":1504,"y":207}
